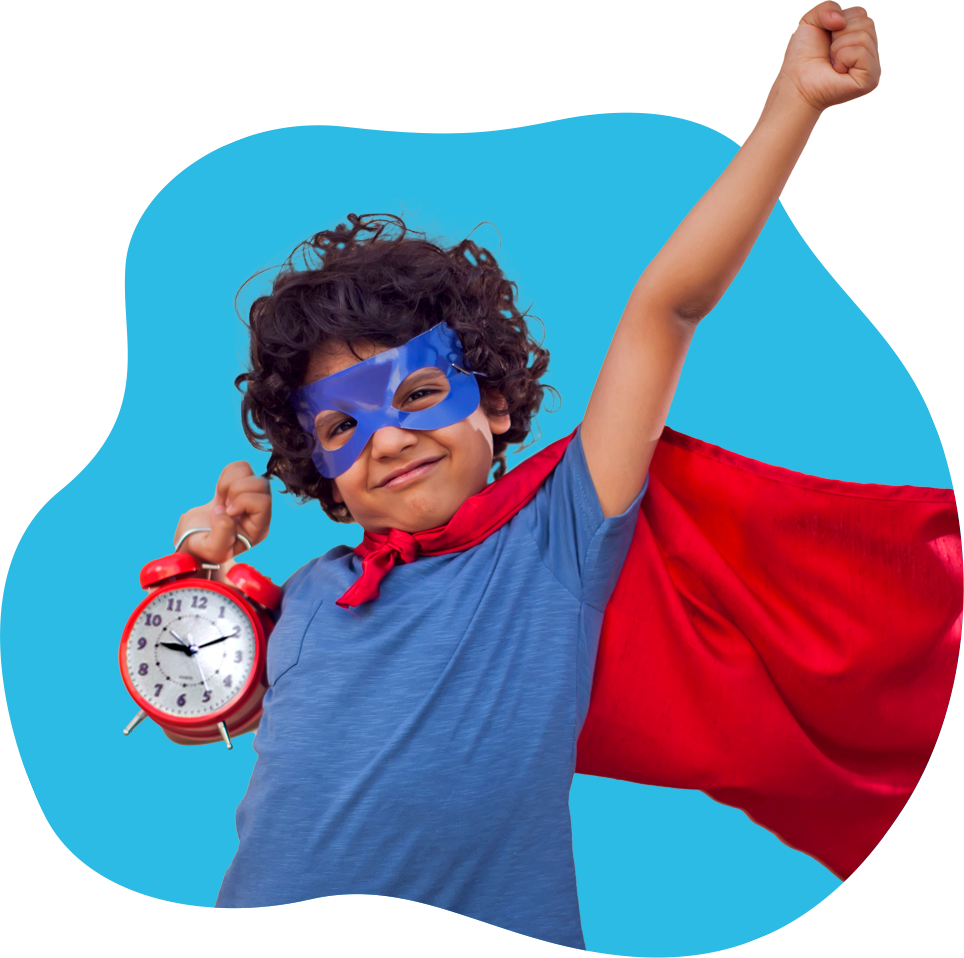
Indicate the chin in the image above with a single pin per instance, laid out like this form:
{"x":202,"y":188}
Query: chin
{"x":422,"y":514}
{"x":425,"y":505}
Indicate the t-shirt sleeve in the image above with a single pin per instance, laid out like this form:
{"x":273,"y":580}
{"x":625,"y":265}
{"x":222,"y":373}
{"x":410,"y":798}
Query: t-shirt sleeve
{"x":581,"y":548}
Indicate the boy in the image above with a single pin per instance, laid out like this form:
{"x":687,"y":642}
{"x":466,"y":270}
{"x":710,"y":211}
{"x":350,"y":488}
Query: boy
{"x":422,"y":745}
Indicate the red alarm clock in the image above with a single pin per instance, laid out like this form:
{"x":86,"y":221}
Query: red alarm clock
{"x":193,"y":652}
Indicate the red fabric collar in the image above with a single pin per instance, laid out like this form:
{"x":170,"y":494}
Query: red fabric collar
{"x":475,"y":520}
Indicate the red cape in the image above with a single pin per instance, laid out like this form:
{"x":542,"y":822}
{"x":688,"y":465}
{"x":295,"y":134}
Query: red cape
{"x":786,"y":644}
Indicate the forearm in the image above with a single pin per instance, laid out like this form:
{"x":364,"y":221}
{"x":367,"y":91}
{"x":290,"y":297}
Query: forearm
{"x":831,"y":58}
{"x":692,"y":271}
{"x":685,"y":280}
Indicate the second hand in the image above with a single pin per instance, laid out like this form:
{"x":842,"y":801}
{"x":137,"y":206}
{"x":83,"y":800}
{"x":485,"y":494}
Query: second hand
{"x":197,"y":662}
{"x":194,"y":655}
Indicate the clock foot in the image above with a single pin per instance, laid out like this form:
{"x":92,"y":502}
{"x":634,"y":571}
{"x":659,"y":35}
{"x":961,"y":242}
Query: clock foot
{"x":223,"y":729}
{"x":135,"y":721}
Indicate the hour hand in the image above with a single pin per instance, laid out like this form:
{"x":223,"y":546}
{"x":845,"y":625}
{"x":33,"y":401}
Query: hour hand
{"x":186,"y":649}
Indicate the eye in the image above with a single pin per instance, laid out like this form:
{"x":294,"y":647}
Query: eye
{"x":344,"y":426}
{"x":421,"y":390}
{"x":419,"y":394}
{"x":334,"y":429}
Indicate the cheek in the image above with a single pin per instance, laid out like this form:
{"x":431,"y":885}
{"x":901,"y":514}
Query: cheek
{"x":345,"y":487}
{"x":470,"y":444}
{"x":478,"y":422}
{"x":473,"y":447}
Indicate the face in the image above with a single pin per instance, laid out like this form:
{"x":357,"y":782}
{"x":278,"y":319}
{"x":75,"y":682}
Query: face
{"x":408,"y":479}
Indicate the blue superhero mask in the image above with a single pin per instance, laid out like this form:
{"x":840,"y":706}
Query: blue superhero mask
{"x":422,"y":384}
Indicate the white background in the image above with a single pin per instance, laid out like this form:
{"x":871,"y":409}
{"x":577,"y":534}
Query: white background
{"x":108,"y":101}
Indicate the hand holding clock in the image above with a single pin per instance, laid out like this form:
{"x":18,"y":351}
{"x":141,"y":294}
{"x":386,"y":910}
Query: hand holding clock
{"x":241,"y":503}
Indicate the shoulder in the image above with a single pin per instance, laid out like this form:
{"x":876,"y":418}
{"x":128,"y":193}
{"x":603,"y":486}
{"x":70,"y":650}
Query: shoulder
{"x":313,"y":576}
{"x":571,"y":482}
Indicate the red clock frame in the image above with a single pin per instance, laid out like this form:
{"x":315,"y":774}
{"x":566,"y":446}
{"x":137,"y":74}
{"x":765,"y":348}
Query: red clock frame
{"x":254,"y":594}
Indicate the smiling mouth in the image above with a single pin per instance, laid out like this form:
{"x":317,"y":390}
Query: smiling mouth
{"x":409,"y":473}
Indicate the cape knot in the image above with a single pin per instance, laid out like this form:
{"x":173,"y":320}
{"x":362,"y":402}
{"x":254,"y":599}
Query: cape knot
{"x":403,"y":544}
{"x":379,"y":556}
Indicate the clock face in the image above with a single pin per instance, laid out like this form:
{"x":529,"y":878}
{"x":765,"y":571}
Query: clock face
{"x":190,"y":651}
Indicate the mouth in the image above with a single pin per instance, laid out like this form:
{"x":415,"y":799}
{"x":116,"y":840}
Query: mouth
{"x":410,"y":472}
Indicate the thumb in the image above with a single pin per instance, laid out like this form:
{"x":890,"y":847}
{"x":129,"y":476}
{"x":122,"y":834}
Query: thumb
{"x":825,"y":16}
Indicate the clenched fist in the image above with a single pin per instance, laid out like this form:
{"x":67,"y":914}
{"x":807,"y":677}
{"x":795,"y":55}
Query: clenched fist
{"x":832,"y":57}
{"x":241,"y":503}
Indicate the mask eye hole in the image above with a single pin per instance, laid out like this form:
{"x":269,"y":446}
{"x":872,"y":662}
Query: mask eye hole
{"x":334,"y":428}
{"x":421,"y":389}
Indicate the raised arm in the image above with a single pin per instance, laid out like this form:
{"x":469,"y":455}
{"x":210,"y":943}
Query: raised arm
{"x":831,"y":58}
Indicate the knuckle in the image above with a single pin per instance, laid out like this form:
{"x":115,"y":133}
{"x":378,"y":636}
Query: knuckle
{"x":850,"y":36}
{"x":857,"y":40}
{"x":860,"y":25}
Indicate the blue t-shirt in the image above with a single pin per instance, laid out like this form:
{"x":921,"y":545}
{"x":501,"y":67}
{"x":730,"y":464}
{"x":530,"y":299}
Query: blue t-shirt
{"x":423,"y":746}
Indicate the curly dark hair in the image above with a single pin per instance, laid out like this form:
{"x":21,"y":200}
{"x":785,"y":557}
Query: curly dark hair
{"x":374,"y":279}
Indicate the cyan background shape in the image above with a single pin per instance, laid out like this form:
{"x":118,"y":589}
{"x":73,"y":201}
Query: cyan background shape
{"x":786,"y":369}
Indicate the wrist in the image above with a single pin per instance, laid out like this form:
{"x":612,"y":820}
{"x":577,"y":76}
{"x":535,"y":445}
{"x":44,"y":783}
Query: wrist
{"x":787,"y":99}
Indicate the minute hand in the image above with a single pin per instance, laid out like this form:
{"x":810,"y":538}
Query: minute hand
{"x":219,"y":639}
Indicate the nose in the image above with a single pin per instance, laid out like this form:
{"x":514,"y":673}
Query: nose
{"x":390,"y":441}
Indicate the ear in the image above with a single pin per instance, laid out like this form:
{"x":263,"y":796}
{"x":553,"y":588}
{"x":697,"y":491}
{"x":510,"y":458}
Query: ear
{"x":499,"y":422}
{"x":336,"y":493}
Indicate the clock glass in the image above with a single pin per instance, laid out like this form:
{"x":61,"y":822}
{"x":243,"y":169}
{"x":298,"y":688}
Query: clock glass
{"x":190,"y":651}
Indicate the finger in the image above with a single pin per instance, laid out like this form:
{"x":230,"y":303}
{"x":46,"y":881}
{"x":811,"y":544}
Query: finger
{"x":231,"y":472}
{"x":858,"y":25}
{"x":846,"y":56}
{"x":198,"y":516}
{"x":253,"y":515}
{"x":854,"y":59}
{"x":216,"y":546}
{"x":248,"y":503}
{"x":859,"y":38}
{"x":250,"y":484}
